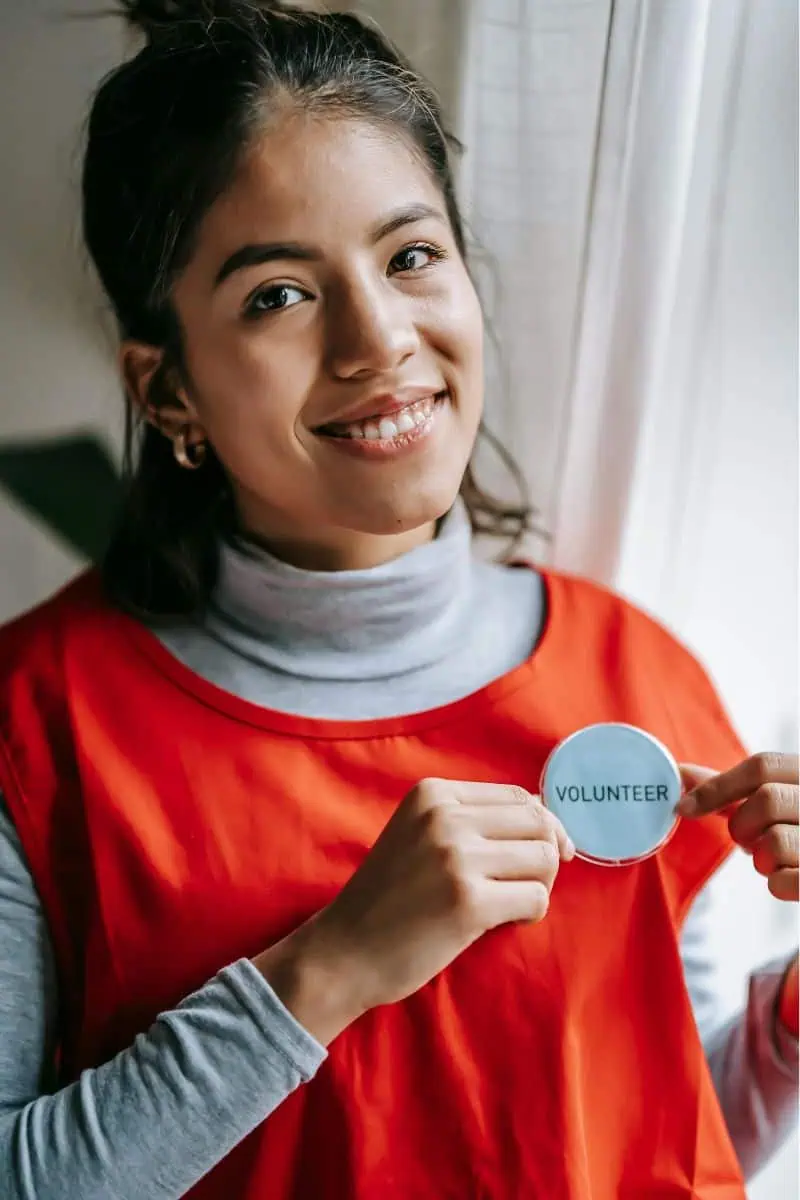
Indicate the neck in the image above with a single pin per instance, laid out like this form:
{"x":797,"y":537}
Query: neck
{"x":314,"y":621}
{"x":333,"y":549}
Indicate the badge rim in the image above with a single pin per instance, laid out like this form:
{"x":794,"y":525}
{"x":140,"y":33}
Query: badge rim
{"x":671,"y":761}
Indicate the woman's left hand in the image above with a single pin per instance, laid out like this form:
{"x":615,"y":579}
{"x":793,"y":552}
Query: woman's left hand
{"x":765,"y":822}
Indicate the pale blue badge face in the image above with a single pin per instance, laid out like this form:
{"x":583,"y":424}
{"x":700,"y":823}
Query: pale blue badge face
{"x":614,"y":788}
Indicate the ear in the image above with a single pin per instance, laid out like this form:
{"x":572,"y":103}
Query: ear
{"x":170,"y":410}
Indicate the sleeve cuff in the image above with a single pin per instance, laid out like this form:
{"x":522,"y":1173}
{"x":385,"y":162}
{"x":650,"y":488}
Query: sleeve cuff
{"x":277,"y":1024}
{"x":767,"y":983}
{"x":786,"y":1039}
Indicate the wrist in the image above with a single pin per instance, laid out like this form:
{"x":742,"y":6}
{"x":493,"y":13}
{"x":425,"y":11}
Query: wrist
{"x":789,"y":998}
{"x":313,"y":979}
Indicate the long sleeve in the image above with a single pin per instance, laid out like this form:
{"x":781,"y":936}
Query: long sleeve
{"x":752,"y":1058}
{"x":151,"y":1122}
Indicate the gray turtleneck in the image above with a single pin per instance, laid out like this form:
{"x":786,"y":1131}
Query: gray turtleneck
{"x":418,"y":632}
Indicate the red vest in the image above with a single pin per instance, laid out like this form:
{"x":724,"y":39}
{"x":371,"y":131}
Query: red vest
{"x":172,"y":828}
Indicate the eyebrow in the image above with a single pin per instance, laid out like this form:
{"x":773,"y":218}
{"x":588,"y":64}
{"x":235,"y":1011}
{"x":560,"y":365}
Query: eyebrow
{"x":257,"y":253}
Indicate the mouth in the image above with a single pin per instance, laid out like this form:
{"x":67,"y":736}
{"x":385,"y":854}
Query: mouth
{"x":403,"y":425}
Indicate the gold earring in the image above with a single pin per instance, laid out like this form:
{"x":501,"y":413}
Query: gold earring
{"x":188,"y":455}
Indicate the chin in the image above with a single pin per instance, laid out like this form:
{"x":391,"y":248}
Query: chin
{"x":403,"y":514}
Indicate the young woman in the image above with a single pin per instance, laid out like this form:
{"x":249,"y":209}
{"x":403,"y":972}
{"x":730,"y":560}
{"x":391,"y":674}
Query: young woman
{"x":281,"y":914}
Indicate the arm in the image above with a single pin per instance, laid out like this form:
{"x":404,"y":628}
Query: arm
{"x":150,"y":1123}
{"x":753,"y":1058}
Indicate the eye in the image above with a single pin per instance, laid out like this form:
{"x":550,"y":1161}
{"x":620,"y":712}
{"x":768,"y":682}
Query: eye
{"x":274,"y":299}
{"x":416,"y":258}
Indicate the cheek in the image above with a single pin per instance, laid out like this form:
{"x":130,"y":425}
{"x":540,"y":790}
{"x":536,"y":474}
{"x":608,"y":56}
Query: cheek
{"x":461,"y":322}
{"x":248,"y":395}
{"x":474,"y":335}
{"x":461,"y":335}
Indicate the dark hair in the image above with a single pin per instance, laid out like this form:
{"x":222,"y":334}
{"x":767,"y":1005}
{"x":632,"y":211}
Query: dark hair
{"x":166,"y":132}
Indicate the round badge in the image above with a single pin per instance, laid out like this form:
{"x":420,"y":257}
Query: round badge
{"x":614,"y":788}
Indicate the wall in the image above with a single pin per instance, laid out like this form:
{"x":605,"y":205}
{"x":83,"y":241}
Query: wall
{"x":57,"y":369}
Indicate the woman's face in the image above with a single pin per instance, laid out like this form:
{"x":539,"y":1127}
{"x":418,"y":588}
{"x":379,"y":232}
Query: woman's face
{"x":333,"y":344}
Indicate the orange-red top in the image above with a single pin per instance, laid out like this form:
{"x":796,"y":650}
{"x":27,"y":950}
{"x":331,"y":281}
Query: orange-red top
{"x":173,"y":828}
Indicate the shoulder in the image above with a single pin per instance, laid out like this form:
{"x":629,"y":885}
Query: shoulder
{"x":609,"y":620}
{"x":51,"y":659}
{"x":632,"y":654}
{"x":35,"y":642}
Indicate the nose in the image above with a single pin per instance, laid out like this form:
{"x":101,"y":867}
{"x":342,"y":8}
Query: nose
{"x":371,"y":331}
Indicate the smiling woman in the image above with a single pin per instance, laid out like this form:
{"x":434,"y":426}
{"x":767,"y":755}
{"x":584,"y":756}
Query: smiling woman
{"x":270,"y":307}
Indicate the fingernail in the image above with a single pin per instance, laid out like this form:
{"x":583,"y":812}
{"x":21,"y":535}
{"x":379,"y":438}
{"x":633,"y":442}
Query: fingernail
{"x":571,"y":852}
{"x":687,"y":805}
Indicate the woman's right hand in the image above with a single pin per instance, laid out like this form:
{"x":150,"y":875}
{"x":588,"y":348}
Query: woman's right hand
{"x":455,"y":860}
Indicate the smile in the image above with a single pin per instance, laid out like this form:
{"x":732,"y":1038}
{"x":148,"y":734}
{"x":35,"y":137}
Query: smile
{"x":382,"y":436}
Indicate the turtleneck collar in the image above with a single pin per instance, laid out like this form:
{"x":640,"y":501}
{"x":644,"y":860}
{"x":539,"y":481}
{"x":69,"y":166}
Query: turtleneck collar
{"x":339,"y":625}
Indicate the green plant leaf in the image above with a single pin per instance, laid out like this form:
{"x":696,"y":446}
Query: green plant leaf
{"x":68,"y":483}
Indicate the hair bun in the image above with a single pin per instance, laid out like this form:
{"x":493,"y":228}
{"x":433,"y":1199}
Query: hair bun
{"x":156,"y":18}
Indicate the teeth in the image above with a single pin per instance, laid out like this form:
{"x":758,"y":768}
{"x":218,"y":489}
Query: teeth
{"x":391,"y":427}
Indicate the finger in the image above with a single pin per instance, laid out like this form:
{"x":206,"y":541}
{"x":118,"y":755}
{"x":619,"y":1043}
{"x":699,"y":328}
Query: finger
{"x":772,"y":804}
{"x":468,"y":792}
{"x":532,"y":861}
{"x":785,"y":884}
{"x":719,"y":791}
{"x":692,"y":775}
{"x":531,"y":822}
{"x":505,"y":900}
{"x":437,"y":795}
{"x":778,"y":848}
{"x":566,"y":846}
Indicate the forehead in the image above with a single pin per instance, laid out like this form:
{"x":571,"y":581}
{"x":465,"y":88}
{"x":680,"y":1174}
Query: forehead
{"x":318,"y":178}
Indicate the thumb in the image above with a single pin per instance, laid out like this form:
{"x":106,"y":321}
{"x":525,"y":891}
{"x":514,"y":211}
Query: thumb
{"x":693,"y":776}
